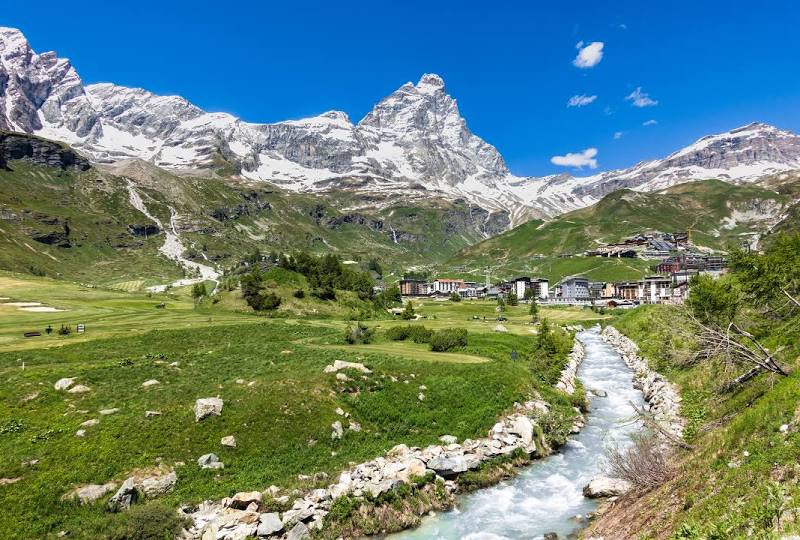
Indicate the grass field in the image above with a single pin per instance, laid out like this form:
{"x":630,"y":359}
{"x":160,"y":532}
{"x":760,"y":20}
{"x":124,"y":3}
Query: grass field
{"x":269,"y":371}
{"x":105,"y":312}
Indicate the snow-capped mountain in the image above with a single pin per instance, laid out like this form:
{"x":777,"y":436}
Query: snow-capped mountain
{"x":413,"y":144}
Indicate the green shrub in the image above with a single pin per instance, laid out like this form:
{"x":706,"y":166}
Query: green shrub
{"x":398,"y":333}
{"x":416,"y":333}
{"x":359,"y":333}
{"x":148,"y":522}
{"x":449,"y":339}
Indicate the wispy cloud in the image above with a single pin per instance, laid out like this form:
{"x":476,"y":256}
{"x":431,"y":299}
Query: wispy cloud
{"x":650,"y":123}
{"x":578,"y":159}
{"x":608,"y":110}
{"x":618,"y":135}
{"x":588,"y":55}
{"x":580,"y":100}
{"x":641,"y":99}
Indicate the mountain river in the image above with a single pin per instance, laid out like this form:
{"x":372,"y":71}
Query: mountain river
{"x":547,"y":496}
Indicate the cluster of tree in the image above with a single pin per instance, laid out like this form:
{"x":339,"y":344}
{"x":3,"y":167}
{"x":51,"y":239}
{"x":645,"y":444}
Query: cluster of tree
{"x":387,"y":298}
{"x":255,"y":292}
{"x":326,"y":274}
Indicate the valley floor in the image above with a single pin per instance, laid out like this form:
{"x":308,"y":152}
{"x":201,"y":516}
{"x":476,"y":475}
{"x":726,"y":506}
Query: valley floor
{"x":278,"y":402}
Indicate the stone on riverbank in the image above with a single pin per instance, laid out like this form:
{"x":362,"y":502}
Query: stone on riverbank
{"x":603,"y":486}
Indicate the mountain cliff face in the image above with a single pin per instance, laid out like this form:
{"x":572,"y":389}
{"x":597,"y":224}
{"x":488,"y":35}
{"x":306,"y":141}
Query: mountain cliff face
{"x":414,"y":144}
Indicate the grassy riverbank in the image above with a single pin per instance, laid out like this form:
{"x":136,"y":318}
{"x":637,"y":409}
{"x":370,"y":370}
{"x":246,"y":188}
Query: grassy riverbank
{"x":745,"y":442}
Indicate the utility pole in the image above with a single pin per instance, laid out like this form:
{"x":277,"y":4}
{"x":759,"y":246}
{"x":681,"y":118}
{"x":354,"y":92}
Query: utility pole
{"x":488,"y":272}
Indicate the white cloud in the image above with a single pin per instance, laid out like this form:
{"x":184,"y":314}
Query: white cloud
{"x":641,"y":99}
{"x":588,"y":56}
{"x":618,"y":135}
{"x":580,"y":100}
{"x":608,"y":110}
{"x":579,"y":159}
{"x":650,"y":123}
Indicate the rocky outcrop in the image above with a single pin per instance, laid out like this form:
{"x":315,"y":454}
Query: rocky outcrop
{"x":662,"y":397}
{"x":566,"y":382}
{"x":14,"y":146}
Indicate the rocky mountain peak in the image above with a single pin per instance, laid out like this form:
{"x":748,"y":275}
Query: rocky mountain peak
{"x":430,"y":82}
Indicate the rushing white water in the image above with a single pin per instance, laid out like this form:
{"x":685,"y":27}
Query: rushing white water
{"x":547,"y":496}
{"x":173,"y":246}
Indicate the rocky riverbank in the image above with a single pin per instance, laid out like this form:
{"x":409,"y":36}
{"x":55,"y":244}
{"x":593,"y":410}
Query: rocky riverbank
{"x":566,"y":382}
{"x":433,"y":470}
{"x":662,"y":397}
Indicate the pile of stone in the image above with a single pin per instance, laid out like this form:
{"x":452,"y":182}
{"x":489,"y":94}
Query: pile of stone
{"x":662,"y":397}
{"x":242,"y":516}
{"x":566,"y":382}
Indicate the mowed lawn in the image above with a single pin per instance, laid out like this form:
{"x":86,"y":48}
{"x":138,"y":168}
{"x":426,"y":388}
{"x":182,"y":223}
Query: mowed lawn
{"x":104,"y":312}
{"x":278,"y":404}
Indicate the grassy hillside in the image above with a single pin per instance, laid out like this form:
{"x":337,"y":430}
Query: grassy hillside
{"x":81,"y":226}
{"x":720,"y":214}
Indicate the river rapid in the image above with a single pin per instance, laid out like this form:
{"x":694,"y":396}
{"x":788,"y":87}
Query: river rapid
{"x":547,"y":496}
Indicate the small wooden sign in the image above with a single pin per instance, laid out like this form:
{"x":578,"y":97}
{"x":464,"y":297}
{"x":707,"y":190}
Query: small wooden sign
{"x":81,"y":328}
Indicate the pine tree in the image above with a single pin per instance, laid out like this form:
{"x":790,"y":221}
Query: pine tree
{"x":534,"y":311}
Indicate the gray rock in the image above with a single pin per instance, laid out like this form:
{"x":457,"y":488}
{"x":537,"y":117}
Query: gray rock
{"x":205,"y":407}
{"x":603,"y":486}
{"x":63,"y":384}
{"x":269,"y":523}
{"x":298,"y":532}
{"x":337,"y":430}
{"x":79,"y":389}
{"x":229,"y":441}
{"x":159,"y":484}
{"x":210,"y":461}
{"x":125,"y":496}
{"x":90,"y":493}
{"x":448,"y":439}
{"x":448,"y":466}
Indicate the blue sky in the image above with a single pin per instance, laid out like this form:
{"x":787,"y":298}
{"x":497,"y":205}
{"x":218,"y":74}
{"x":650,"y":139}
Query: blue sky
{"x":710,"y":65}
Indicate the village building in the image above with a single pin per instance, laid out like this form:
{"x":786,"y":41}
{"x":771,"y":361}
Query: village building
{"x":654,"y":289}
{"x":413,"y":287}
{"x":573,"y":288}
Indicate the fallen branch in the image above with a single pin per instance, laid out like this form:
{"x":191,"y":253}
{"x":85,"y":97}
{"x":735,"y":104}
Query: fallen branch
{"x":649,"y":421}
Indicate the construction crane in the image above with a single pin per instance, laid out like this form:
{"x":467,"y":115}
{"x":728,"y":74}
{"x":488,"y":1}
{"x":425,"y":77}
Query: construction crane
{"x":689,"y":230}
{"x":488,"y":272}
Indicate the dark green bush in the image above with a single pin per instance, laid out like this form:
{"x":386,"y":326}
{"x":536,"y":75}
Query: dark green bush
{"x":449,"y":339}
{"x":416,"y":333}
{"x":148,"y":522}
{"x":359,"y":333}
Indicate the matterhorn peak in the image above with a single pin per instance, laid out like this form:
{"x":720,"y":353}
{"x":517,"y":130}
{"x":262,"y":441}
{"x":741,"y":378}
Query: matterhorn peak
{"x":430,"y":82}
{"x":11,"y":39}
